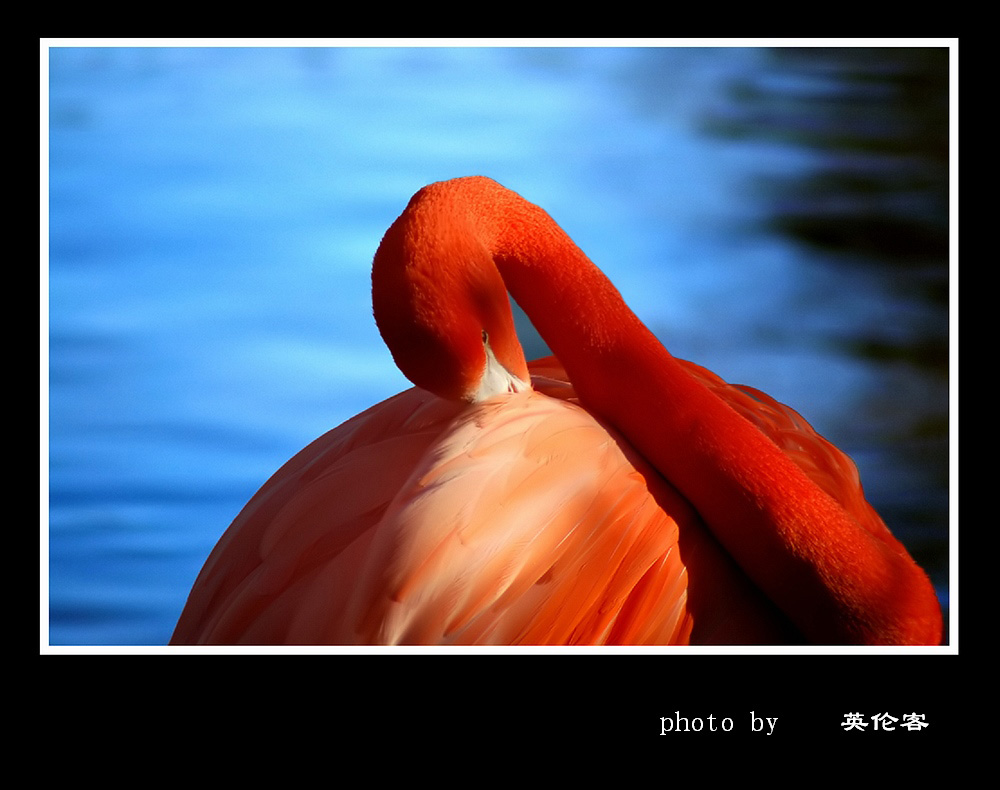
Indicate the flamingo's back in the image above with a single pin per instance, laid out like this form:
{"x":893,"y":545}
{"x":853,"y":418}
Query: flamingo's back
{"x":520,"y":520}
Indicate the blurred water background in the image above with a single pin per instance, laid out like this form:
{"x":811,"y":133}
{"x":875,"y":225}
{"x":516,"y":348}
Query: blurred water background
{"x":778,"y":215}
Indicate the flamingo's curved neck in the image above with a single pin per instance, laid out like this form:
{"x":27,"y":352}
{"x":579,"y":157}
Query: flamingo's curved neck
{"x":837,"y":581}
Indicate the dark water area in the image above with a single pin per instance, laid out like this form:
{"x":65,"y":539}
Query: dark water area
{"x":780,"y":216}
{"x":877,"y":200}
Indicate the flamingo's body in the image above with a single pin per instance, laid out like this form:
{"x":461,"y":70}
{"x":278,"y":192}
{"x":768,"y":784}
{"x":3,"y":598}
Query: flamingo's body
{"x":646,"y":502}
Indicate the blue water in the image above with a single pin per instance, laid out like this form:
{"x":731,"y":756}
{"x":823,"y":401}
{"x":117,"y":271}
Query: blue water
{"x":213,"y":214}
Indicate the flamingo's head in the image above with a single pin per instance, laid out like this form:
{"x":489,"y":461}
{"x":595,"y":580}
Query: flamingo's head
{"x":442,"y":307}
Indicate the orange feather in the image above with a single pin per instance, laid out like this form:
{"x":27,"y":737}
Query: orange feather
{"x":561,"y":535}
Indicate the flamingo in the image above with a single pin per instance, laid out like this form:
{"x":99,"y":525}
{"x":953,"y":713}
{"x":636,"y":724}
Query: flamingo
{"x":609,"y":494}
